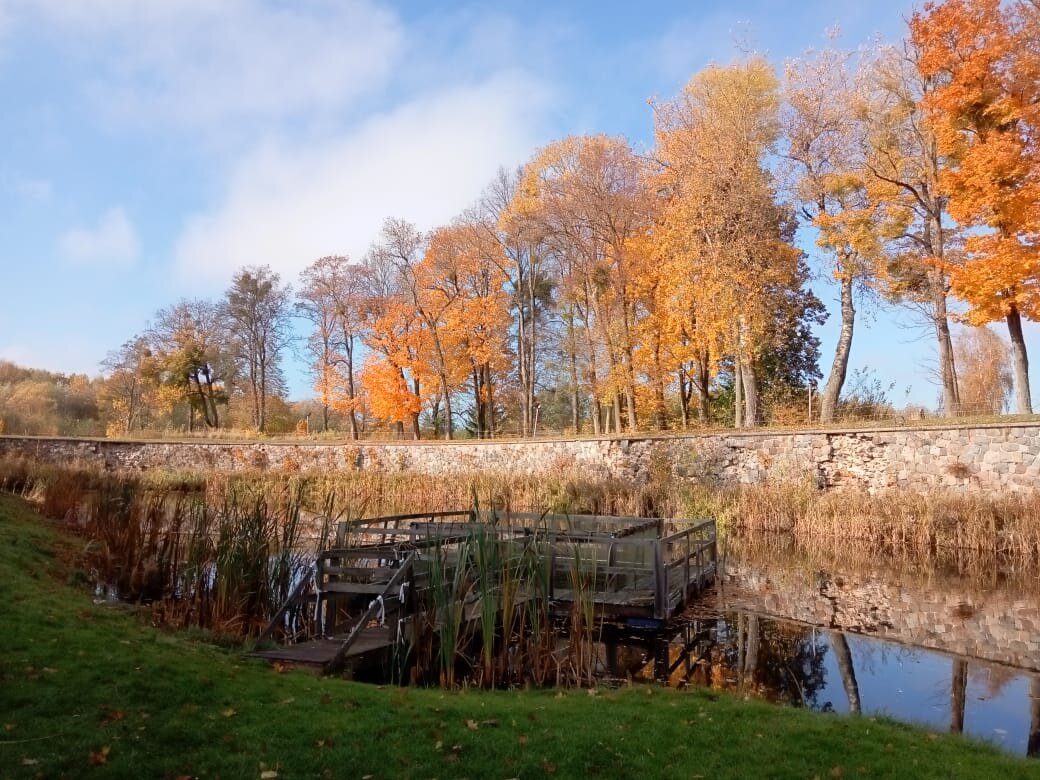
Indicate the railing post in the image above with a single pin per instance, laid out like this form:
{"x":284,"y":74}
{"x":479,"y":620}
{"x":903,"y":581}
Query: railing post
{"x":660,"y":583}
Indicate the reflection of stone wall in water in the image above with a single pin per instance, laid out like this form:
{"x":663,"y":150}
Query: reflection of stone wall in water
{"x":999,"y":627}
{"x":979,"y":459}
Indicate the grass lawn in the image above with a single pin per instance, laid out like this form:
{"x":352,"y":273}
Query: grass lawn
{"x":89,"y":690}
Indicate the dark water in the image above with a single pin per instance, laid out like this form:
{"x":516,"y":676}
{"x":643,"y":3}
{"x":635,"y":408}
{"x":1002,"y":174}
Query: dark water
{"x":833,"y":671}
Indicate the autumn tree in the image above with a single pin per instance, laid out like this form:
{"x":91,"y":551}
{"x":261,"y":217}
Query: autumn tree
{"x":529,"y":283}
{"x":984,"y":60}
{"x":904,"y":166}
{"x":257,"y":310}
{"x":189,"y":344}
{"x":462,"y":276}
{"x":822,"y":127}
{"x":722,"y":228}
{"x":331,"y":297}
{"x":393,"y":376}
{"x":128,"y":390}
{"x":38,"y":402}
{"x":986,"y":380}
{"x":584,"y":197}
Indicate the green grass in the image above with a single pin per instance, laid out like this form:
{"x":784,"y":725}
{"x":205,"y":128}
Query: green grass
{"x":90,"y":690}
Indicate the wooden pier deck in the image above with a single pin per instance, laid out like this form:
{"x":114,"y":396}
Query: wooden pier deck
{"x":368,"y":591}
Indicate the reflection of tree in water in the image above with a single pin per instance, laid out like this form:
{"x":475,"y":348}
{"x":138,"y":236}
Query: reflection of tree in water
{"x":782,"y":662}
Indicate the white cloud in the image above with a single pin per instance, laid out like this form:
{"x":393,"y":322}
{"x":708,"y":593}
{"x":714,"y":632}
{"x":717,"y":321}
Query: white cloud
{"x":424,"y":162}
{"x":36,"y":190}
{"x":200,"y":63}
{"x":112,"y":241}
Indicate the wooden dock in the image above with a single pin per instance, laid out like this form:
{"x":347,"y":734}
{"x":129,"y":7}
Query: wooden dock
{"x":371,"y":588}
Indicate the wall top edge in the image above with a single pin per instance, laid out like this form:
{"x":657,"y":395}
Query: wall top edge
{"x":717,"y":434}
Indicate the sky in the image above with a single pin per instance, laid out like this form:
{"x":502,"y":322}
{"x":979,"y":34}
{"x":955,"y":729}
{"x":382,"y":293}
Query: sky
{"x":149,"y":149}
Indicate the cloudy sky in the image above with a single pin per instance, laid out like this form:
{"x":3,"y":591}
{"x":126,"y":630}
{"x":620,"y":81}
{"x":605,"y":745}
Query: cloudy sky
{"x":148,"y":149}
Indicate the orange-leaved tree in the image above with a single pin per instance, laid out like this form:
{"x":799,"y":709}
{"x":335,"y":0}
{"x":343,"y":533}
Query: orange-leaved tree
{"x":984,"y":57}
{"x":463,"y":277}
{"x":721,"y":225}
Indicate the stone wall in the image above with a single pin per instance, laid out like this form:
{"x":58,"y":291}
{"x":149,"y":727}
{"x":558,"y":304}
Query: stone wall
{"x":952,"y":617}
{"x":983,"y":459}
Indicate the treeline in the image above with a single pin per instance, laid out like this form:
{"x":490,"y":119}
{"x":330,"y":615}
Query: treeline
{"x":602,"y":290}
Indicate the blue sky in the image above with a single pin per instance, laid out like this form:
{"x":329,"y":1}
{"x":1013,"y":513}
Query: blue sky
{"x":149,"y":149}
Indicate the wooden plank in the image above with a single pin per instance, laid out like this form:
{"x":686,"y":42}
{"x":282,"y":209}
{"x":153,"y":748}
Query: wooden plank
{"x":319,"y":652}
{"x":371,"y":588}
{"x":367,"y":572}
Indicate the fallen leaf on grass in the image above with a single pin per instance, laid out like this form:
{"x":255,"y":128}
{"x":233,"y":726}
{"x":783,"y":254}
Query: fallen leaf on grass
{"x":111,"y":716}
{"x":837,"y":771}
{"x":522,"y":739}
{"x":100,"y":757}
{"x":549,"y":767}
{"x":29,"y":762}
{"x":268,"y":774}
{"x":229,"y":712}
{"x":472,"y":725}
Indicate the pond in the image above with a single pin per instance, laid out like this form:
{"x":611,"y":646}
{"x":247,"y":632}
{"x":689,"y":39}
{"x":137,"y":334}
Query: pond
{"x":834,"y":671}
{"x":954,"y":645}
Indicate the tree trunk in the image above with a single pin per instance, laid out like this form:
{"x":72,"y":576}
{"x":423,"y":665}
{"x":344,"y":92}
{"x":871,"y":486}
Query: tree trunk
{"x":443,"y":378}
{"x":738,"y":394}
{"x":839,"y":368}
{"x":522,"y":371}
{"x":958,"y":695}
{"x":941,"y":321}
{"x":659,"y":386}
{"x":703,"y":397}
{"x":355,"y":434}
{"x":684,"y":399}
{"x":1019,"y":362}
{"x":843,"y":659}
{"x":416,"y":431}
{"x":575,"y":403}
{"x":593,"y":382}
{"x":750,"y":393}
{"x":489,"y":414}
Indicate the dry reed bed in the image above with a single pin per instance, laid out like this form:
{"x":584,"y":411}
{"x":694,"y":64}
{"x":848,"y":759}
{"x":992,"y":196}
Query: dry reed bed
{"x":222,"y":550}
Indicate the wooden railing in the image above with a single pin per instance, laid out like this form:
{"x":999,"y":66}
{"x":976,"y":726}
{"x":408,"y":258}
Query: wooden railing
{"x":378,"y":604}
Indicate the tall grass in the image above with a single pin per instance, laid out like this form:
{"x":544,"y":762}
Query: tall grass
{"x":223,"y":551}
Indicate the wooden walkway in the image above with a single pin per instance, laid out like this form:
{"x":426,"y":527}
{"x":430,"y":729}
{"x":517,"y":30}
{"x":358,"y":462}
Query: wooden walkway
{"x":321,"y":652}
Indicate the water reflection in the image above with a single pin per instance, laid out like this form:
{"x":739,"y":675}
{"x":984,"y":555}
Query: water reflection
{"x":828,"y":670}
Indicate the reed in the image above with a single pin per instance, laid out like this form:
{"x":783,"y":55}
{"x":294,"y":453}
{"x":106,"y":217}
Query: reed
{"x":223,"y":551}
